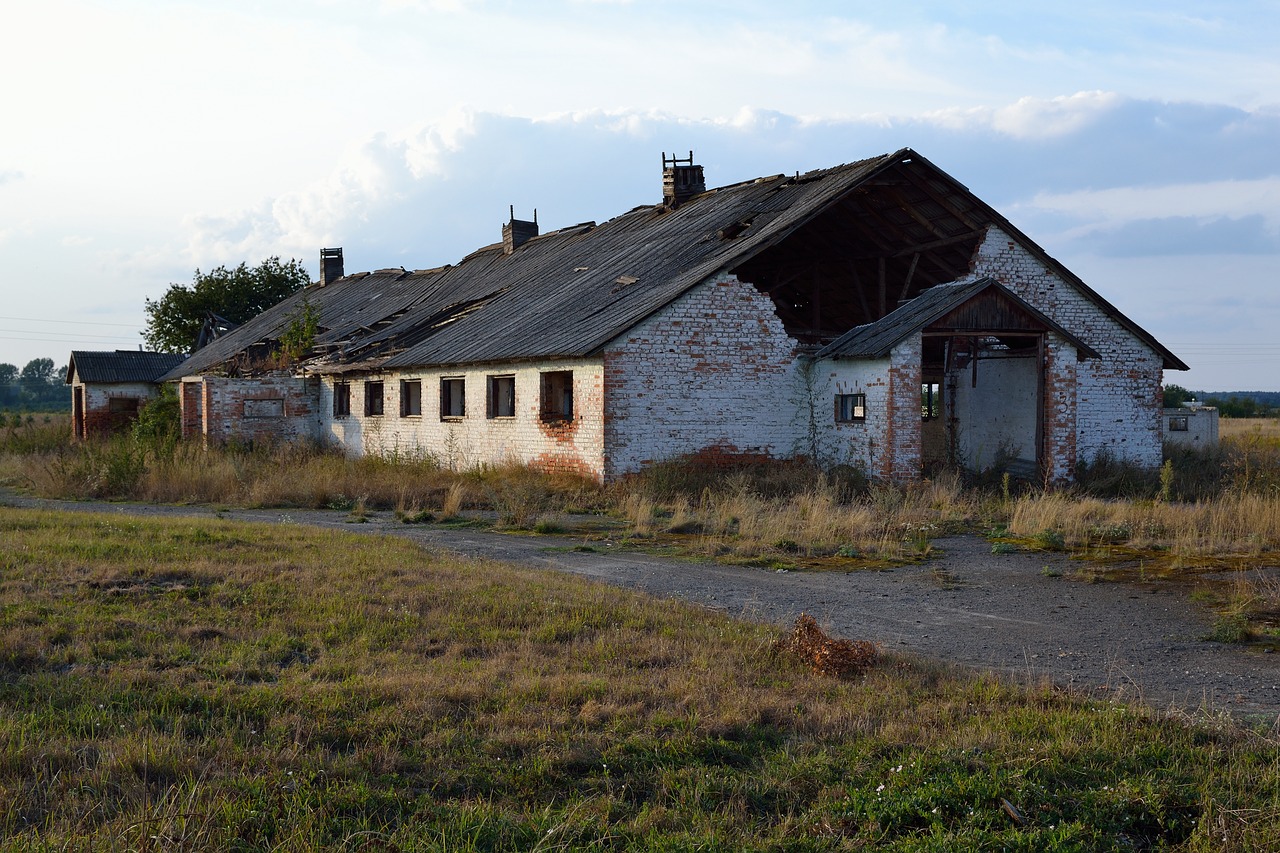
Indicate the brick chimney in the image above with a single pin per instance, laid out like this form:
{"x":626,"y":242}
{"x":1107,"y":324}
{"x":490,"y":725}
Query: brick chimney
{"x":681,"y":180}
{"x":330,"y":265}
{"x":517,"y":232}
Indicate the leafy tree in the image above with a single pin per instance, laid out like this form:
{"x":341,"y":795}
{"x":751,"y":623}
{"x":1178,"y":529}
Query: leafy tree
{"x":9,"y":387}
{"x":1176,"y":395}
{"x":37,"y":374}
{"x":1237,"y":407}
{"x":40,"y":386}
{"x":174,"y":320}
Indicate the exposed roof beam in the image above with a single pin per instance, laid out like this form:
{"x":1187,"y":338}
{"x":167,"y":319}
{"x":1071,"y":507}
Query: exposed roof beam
{"x":908,"y":208}
{"x":938,"y":244}
{"x":942,"y":201}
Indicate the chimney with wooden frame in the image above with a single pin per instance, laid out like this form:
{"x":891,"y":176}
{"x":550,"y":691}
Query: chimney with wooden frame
{"x":331,"y":267}
{"x":681,"y":180}
{"x":517,"y":232}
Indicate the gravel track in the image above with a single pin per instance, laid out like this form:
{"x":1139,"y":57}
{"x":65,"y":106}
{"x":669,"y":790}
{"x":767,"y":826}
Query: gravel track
{"x":1003,"y":613}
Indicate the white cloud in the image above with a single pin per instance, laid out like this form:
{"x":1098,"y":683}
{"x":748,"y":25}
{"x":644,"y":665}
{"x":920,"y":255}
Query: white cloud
{"x":1033,"y":118}
{"x":418,"y":195}
{"x":1209,"y":200}
{"x":1036,"y":118}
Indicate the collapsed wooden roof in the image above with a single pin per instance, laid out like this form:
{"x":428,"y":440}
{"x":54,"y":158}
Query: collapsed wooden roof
{"x":834,"y":249}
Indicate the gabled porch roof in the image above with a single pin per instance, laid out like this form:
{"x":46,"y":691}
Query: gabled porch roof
{"x":995,"y":309}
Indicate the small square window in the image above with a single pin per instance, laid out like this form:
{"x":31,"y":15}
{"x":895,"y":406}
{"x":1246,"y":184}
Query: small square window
{"x":453,"y":398}
{"x":341,"y":399}
{"x":851,"y":407}
{"x":373,"y":399}
{"x":502,"y":397}
{"x":1178,"y":423}
{"x":557,"y":395}
{"x":410,"y":398}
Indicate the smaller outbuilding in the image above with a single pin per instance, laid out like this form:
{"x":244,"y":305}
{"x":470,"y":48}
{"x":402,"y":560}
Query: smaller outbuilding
{"x":108,"y":388}
{"x":1191,"y":425}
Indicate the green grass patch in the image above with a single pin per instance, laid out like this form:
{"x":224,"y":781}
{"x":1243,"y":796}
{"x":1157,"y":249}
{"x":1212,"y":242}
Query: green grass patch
{"x":202,"y":684}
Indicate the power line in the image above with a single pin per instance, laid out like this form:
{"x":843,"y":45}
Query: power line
{"x":77,"y":322}
{"x":68,"y":334}
{"x":116,"y":344}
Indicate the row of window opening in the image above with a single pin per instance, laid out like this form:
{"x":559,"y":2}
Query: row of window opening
{"x":556,"y":392}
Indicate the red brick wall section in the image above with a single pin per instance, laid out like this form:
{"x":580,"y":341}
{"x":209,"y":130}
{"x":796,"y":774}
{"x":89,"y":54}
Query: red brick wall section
{"x":1059,"y":410}
{"x":190,"y":397}
{"x":223,"y":410}
{"x":98,"y":418}
{"x":902,"y":461}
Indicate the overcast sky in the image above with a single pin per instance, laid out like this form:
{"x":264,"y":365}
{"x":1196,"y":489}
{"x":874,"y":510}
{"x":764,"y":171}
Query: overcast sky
{"x":142,"y":140}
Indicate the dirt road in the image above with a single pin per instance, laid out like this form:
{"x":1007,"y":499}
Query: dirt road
{"x":966,"y":605}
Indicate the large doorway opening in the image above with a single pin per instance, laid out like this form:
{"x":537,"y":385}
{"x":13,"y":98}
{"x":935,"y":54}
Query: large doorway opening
{"x":982,"y":402}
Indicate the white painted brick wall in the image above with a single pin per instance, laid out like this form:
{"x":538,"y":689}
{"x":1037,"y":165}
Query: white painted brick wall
{"x":1117,"y":397}
{"x":715,"y":371}
{"x":98,"y":396}
{"x":475,"y":439}
{"x":863,"y":444}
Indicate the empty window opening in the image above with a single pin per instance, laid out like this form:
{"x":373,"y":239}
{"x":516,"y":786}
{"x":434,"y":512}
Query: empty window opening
{"x":557,"y":395}
{"x":851,"y":407}
{"x":373,"y":399}
{"x":1178,"y":423}
{"x":341,"y":399}
{"x":930,"y":401}
{"x":453,"y":398}
{"x":502,"y":396}
{"x":123,"y":405}
{"x":410,"y":398}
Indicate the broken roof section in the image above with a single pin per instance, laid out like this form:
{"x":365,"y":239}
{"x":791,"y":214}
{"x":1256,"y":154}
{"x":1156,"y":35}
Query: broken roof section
{"x":945,"y":302}
{"x":568,"y":293}
{"x":115,"y":366}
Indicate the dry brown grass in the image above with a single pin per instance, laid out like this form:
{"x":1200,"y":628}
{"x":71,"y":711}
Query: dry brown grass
{"x":1235,"y":427}
{"x":1234,"y":524}
{"x":738,"y":523}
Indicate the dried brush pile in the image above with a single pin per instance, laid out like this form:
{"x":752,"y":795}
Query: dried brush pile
{"x":823,"y":654}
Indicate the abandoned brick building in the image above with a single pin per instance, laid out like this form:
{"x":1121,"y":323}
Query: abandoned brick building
{"x":108,"y":388}
{"x":875,"y":314}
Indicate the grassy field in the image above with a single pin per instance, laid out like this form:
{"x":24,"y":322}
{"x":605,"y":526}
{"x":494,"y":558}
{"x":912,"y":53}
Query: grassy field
{"x":1236,"y":427}
{"x":1208,"y":523}
{"x":192,"y":685}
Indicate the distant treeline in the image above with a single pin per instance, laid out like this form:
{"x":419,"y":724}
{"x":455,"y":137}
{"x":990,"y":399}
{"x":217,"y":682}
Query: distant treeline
{"x":1230,"y":404}
{"x":38,"y":387}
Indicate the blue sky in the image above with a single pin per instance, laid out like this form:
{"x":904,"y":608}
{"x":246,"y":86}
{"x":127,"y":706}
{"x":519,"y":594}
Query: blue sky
{"x":148,"y":139}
